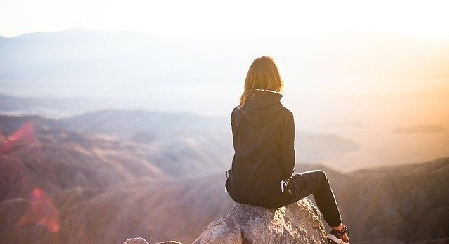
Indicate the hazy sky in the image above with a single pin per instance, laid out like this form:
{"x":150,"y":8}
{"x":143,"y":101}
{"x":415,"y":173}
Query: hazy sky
{"x":340,"y":77}
{"x":226,"y":19}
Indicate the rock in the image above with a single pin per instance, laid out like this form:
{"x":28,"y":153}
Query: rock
{"x":299,"y":222}
{"x":136,"y":240}
{"x":168,"y":242}
{"x":140,"y":240}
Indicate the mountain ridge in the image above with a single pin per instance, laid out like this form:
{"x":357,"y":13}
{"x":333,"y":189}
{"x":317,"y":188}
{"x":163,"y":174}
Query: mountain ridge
{"x":104,"y":180}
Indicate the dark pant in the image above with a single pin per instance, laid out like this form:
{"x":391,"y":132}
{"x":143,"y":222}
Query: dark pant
{"x":316,"y":183}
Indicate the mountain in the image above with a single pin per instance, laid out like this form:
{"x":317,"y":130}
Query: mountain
{"x":122,"y":69}
{"x":180,"y":144}
{"x":111,"y":175}
{"x":395,"y":204}
{"x":58,"y":183}
{"x":408,"y":203}
{"x":155,"y":210}
{"x":177,"y":144}
{"x":49,"y":106}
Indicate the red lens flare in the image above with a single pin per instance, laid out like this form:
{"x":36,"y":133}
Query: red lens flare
{"x":24,"y":135}
{"x":42,"y":212}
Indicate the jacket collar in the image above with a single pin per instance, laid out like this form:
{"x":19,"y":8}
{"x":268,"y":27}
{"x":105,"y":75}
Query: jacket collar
{"x":262,"y":99}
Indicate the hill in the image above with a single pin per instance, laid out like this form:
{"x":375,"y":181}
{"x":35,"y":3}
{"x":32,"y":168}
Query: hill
{"x":88,"y":178}
{"x":408,"y":204}
{"x":59,"y":184}
{"x":181,"y":144}
{"x":178,"y":144}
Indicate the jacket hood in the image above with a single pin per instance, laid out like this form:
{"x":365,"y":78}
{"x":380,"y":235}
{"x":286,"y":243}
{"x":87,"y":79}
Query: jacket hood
{"x":262,"y":106}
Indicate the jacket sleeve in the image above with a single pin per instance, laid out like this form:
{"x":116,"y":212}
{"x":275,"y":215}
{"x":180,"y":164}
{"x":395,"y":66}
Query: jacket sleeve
{"x":287,"y":156}
{"x":234,"y":119}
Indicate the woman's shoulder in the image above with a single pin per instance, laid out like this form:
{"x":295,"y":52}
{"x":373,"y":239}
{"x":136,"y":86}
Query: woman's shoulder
{"x":235,"y":110}
{"x":287,"y":112}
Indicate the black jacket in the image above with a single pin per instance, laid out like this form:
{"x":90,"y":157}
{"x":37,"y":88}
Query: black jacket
{"x":263,"y":138}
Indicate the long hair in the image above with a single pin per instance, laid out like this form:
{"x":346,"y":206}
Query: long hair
{"x":262,"y":75}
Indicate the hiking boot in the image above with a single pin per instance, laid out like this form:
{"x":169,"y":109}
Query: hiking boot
{"x":338,"y":236}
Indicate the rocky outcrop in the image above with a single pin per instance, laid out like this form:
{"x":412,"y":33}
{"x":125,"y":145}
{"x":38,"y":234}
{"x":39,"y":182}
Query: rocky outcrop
{"x":140,"y":240}
{"x":136,"y":240}
{"x":299,"y":222}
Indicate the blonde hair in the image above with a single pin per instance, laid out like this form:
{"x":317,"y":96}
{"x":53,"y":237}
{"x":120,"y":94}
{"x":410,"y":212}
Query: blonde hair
{"x":263,"y":74}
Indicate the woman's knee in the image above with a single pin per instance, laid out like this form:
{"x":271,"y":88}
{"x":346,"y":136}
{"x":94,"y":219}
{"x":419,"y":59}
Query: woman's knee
{"x":320,"y":174}
{"x":323,"y":173}
{"x":315,"y":178}
{"x":322,"y":177}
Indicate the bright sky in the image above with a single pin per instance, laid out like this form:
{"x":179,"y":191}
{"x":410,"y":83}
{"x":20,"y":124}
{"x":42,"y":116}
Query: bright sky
{"x":226,"y":19}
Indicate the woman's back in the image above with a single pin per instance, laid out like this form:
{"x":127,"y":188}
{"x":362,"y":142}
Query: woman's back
{"x":260,"y":162}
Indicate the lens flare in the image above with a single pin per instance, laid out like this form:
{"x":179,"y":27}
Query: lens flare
{"x":42,"y":212}
{"x":24,"y":134}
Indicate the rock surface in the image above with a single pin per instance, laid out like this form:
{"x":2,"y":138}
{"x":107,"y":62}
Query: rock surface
{"x":136,"y":240}
{"x":140,"y":240}
{"x":299,"y":222}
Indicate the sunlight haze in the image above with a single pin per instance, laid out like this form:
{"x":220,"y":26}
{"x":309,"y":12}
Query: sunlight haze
{"x":372,"y":73}
{"x":201,"y":19}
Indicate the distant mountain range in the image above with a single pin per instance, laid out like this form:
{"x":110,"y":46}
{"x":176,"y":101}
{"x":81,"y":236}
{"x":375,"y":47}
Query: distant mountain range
{"x":111,"y":175}
{"x":172,"y":137}
{"x":135,"y":70}
{"x":49,"y":106}
{"x":124,"y":69}
{"x":176,"y":144}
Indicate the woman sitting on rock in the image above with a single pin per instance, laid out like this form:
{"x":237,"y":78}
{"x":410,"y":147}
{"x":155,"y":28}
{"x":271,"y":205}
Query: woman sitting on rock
{"x":262,"y":171}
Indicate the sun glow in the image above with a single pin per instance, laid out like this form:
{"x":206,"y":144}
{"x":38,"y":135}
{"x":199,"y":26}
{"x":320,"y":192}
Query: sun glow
{"x":229,"y":19}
